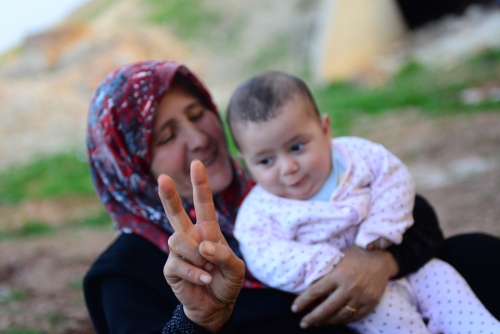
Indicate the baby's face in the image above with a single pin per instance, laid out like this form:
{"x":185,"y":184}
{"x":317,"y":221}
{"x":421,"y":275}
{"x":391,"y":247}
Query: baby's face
{"x":289,"y":155}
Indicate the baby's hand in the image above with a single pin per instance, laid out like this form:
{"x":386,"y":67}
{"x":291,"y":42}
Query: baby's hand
{"x":380,"y":243}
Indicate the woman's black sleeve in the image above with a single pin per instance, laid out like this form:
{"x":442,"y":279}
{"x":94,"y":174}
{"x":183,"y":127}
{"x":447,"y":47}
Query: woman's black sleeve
{"x":125,"y":290}
{"x":421,"y":242}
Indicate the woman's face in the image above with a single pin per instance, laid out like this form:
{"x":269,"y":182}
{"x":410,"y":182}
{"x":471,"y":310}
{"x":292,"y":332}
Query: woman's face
{"x":184,"y":130}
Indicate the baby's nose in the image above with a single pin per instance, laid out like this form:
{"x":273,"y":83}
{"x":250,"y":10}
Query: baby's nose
{"x":289,"y":166}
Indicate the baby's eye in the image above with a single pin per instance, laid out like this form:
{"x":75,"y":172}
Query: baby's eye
{"x":297,"y":147}
{"x":264,"y":161}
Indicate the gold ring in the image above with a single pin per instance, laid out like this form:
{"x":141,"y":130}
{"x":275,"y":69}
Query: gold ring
{"x":352,"y":310}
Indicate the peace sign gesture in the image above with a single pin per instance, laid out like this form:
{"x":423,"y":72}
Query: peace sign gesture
{"x":204,"y":273}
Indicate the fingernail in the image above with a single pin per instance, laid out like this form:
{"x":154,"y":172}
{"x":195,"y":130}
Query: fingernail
{"x":294,"y":308}
{"x":208,"y":248}
{"x":205,"y":278}
{"x":303,"y":324}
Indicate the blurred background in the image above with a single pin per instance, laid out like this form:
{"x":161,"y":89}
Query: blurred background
{"x":420,"y":77}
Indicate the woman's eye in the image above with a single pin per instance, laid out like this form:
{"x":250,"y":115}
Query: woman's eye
{"x":297,"y":147}
{"x":165,"y":138}
{"x":197,"y":115}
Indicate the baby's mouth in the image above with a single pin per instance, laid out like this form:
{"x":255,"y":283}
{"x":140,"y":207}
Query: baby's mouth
{"x":296,"y":183}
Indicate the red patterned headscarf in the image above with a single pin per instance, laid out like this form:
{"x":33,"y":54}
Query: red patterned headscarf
{"x":119,"y":132}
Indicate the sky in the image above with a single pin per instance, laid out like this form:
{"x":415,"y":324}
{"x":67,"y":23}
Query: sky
{"x":19,"y":18}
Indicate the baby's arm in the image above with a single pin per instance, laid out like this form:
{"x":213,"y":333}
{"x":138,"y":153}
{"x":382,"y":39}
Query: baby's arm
{"x":392,"y":199}
{"x":274,"y":259}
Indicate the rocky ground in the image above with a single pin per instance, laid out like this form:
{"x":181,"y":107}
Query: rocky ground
{"x":455,"y":160}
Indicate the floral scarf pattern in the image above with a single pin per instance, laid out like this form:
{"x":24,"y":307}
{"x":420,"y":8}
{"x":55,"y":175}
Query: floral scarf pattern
{"x":119,"y":132}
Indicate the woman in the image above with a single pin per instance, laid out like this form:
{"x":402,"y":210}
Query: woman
{"x":154,"y":118}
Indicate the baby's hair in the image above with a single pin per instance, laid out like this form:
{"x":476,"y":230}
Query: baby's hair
{"x":260,"y":98}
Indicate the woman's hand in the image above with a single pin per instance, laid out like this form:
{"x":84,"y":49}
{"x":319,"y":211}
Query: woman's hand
{"x":358,"y":281}
{"x":204,"y":273}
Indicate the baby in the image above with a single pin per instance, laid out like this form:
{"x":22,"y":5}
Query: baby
{"x":316,"y":196}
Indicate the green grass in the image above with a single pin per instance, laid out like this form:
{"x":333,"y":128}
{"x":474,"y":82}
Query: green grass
{"x":55,"y":318}
{"x":434,"y":92}
{"x":190,"y":19}
{"x":76,"y":284}
{"x":30,"y":228}
{"x":47,"y":177}
{"x":34,"y":228}
{"x":22,"y":330}
{"x":230,"y":141}
{"x":271,"y":55}
{"x":12,"y":295}
{"x":100,"y":220}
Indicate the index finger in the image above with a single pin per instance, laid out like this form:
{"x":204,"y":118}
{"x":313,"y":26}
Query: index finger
{"x":172,"y":205}
{"x":206,"y":217}
{"x":329,"y":310}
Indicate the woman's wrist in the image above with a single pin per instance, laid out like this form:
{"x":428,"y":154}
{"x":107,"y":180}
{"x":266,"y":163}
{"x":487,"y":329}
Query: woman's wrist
{"x":214,"y":322}
{"x":386,"y":261}
{"x":390,"y":263}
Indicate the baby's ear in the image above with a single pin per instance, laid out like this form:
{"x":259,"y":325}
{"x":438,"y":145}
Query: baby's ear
{"x":326,"y":125}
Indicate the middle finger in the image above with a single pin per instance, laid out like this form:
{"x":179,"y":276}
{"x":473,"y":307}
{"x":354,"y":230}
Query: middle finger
{"x":328,"y":309}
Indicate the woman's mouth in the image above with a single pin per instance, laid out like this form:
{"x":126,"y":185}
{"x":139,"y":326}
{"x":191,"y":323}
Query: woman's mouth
{"x":210,"y":160}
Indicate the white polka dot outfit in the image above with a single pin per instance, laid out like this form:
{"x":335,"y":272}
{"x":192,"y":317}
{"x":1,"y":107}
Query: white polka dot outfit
{"x":288,"y":244}
{"x":435,"y":299}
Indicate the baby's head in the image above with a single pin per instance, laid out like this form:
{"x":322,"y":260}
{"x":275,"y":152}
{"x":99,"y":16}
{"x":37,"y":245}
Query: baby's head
{"x":280,"y":134}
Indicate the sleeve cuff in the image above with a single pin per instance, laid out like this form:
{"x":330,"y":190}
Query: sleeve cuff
{"x":180,"y":323}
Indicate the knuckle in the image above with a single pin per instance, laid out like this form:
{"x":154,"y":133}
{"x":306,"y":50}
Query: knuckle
{"x":372,"y":297}
{"x":167,"y":270}
{"x":173,"y":241}
{"x":191,"y":274}
{"x":315,"y":292}
{"x":170,"y":268}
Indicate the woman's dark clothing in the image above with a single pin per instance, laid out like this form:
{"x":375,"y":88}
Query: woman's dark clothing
{"x":477,"y":258}
{"x":421,"y":242}
{"x":126,"y":292}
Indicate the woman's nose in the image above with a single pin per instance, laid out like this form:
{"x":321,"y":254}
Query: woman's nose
{"x":289,"y":166}
{"x":195,"y":138}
